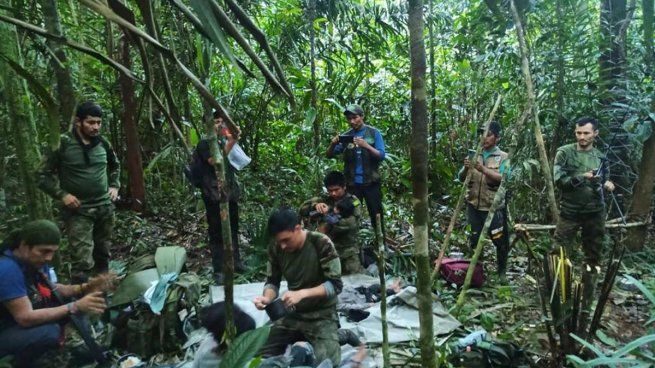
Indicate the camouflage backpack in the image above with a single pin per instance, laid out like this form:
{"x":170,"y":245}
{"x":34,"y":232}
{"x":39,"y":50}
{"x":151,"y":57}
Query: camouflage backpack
{"x":137,"y":328}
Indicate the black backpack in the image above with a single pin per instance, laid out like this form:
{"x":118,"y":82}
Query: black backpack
{"x":193,"y":169}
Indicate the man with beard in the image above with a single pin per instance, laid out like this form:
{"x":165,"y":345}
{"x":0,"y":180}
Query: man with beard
{"x":580,"y":175}
{"x":83,"y":174}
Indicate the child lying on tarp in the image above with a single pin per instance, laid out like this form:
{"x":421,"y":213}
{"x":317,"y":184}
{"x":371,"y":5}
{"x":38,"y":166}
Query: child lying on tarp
{"x":300,"y":354}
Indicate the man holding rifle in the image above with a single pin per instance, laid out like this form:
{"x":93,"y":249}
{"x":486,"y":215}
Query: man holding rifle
{"x":580,"y":174}
{"x":31,"y":312}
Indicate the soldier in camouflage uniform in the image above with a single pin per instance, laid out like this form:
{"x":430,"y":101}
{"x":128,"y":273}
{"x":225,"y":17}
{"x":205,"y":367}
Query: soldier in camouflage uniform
{"x":83,"y":173}
{"x":309,"y":263}
{"x":576,"y":173}
{"x":343,"y":233}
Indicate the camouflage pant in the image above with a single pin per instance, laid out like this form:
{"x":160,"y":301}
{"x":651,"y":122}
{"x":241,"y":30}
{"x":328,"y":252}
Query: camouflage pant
{"x":350,"y":263}
{"x":592,"y":226}
{"x":89,"y":233}
{"x":320,"y":333}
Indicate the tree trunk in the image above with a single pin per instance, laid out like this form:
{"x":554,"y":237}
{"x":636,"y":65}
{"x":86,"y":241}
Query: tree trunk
{"x":59,"y":62}
{"x":640,"y":207}
{"x":23,"y":130}
{"x":532,"y":101}
{"x":419,"y":161}
{"x":612,"y":63}
{"x":560,"y":84}
{"x":134,"y":163}
{"x":379,"y":238}
{"x":316,"y":127}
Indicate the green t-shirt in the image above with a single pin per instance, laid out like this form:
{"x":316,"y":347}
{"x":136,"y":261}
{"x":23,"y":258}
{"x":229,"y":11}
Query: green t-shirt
{"x":312,"y":265}
{"x":67,"y":171}
{"x":577,"y":194}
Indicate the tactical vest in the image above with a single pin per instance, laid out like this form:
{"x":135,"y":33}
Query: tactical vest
{"x":481,"y":193}
{"x":370,"y":164}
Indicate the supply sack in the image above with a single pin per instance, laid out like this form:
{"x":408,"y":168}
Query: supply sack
{"x":490,"y":354}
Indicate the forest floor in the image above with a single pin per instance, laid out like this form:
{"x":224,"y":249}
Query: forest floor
{"x":507,"y":312}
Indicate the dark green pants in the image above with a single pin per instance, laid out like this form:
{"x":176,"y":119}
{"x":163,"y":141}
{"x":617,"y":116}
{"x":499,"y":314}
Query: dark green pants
{"x":320,"y":333}
{"x":592,"y":228}
{"x":89,"y":233}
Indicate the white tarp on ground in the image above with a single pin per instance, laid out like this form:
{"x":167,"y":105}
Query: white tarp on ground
{"x":402,"y":311}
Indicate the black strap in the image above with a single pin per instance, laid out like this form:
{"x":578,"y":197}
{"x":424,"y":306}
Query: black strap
{"x":100,"y":354}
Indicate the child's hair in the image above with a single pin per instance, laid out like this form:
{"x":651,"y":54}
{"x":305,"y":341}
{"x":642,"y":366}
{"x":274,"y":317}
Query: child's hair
{"x":346,"y":207}
{"x":212,"y":318}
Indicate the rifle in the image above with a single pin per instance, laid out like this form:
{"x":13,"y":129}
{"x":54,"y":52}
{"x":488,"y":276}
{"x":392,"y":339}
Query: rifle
{"x":602,"y":173}
{"x":100,"y":354}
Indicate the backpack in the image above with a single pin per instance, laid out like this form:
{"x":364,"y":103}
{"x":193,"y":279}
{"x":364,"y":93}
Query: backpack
{"x":454,"y":272}
{"x":136,"y":328}
{"x":490,"y":354}
{"x":193,"y":169}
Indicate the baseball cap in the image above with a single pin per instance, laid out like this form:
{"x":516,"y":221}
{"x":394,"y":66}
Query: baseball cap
{"x":354,"y":110}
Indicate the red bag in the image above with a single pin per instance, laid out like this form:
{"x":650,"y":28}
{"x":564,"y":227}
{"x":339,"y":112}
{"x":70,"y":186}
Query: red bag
{"x":454,"y":272}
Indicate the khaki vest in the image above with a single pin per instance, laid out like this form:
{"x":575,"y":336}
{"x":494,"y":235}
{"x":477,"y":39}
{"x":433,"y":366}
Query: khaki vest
{"x":481,"y":194}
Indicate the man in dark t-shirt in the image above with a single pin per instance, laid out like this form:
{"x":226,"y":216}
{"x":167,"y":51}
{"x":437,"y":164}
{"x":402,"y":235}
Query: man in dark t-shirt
{"x":213,"y":196}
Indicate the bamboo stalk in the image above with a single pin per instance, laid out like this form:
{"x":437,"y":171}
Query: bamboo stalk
{"x":610,"y":224}
{"x":532,"y":101}
{"x":383,"y":291}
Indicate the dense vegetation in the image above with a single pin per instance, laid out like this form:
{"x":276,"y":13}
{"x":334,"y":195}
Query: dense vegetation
{"x":160,"y":67}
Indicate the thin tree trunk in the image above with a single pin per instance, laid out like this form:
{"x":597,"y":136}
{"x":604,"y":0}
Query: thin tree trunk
{"x":316,"y":127}
{"x":642,"y":198}
{"x":383,"y":291}
{"x":560,"y":83}
{"x":23,"y":130}
{"x":134,"y":163}
{"x":59,"y":62}
{"x":419,"y":161}
{"x":532,"y":101}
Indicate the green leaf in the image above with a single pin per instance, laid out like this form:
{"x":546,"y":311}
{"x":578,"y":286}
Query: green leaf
{"x":244,"y":347}
{"x":634,"y":344}
{"x":506,"y":85}
{"x":602,"y":336}
{"x":647,"y":293}
{"x":310,"y":116}
{"x":212,"y":28}
{"x":589,"y":346}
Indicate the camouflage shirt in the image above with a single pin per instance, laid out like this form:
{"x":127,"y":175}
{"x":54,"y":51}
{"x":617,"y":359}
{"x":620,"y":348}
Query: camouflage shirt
{"x":344,"y":234}
{"x":85,"y":171}
{"x":310,"y":266}
{"x":577,"y":194}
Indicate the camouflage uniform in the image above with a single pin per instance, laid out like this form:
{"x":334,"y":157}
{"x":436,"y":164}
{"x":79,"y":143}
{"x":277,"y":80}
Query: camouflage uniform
{"x":87,"y":172}
{"x":582,"y":205}
{"x":313,"y":320}
{"x":344,"y":234}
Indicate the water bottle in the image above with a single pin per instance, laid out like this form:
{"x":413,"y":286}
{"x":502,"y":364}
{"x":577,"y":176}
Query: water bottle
{"x":52,"y":275}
